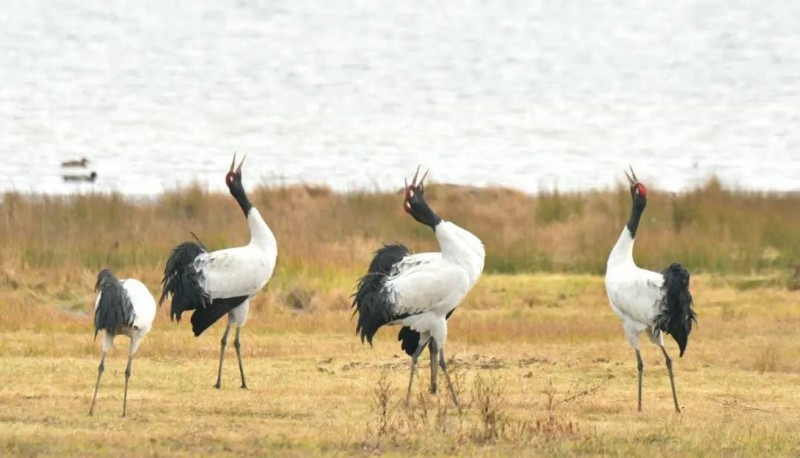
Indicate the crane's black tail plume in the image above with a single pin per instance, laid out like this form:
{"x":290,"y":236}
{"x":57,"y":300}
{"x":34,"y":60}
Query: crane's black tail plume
{"x":182,"y":280}
{"x":371,"y":302}
{"x":114,"y":308}
{"x":204,"y":317}
{"x":677,"y":315}
{"x":409,"y":340}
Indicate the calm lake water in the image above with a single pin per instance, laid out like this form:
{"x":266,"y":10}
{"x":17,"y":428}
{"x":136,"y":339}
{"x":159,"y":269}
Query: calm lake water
{"x":532,"y":94}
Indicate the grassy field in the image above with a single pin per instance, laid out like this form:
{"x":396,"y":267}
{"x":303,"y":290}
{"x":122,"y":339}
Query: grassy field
{"x":539,"y":358}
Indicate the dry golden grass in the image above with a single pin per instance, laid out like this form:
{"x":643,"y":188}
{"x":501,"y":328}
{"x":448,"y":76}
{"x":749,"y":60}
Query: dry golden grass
{"x":540,"y":359}
{"x":709,"y":229}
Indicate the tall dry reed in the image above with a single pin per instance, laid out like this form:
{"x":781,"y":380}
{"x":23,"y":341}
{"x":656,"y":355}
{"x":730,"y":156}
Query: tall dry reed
{"x":710,"y":229}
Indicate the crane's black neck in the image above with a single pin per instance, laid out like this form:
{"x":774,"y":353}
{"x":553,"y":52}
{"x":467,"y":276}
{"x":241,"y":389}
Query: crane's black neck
{"x":425,"y":215}
{"x":242,"y":200}
{"x":636,"y":215}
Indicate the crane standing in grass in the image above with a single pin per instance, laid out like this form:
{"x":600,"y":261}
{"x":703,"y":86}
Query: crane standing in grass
{"x":648,"y":301}
{"x":419,"y":291}
{"x":122,"y":307}
{"x":222,"y":282}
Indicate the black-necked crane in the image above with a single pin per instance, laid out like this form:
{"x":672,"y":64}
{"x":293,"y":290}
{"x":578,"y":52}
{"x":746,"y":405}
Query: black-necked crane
{"x":222,"y":282}
{"x":121,"y":307}
{"x":419,"y":292}
{"x":654,"y":302}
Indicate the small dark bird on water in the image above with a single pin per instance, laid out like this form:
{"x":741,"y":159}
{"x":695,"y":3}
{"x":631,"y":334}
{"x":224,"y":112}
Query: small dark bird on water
{"x":122,"y":307}
{"x":90,"y":178}
{"x":655,"y":302}
{"x":83,"y":162}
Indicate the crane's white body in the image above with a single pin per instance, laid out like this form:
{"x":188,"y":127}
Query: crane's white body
{"x":635,"y":294}
{"x":427,"y":286}
{"x":144,"y":312}
{"x":240,"y":271}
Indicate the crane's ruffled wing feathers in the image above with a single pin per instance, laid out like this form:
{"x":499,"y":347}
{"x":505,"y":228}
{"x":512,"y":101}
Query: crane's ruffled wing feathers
{"x":386,"y":258}
{"x":183,"y":280}
{"x":370,"y":300}
{"x":676,"y":314}
{"x":113,"y":306}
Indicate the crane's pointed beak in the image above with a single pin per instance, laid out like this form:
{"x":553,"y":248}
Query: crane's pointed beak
{"x":233,"y":162}
{"x":239,"y":169}
{"x":631,"y":181}
{"x":416,"y":174}
{"x":633,"y":174}
{"x":422,"y":180}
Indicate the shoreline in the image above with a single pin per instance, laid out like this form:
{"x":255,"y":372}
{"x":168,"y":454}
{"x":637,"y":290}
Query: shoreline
{"x":89,"y":189}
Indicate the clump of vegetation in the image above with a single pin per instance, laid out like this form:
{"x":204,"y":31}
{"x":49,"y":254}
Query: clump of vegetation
{"x":485,"y":419}
{"x":488,"y":399}
{"x":767,"y":359}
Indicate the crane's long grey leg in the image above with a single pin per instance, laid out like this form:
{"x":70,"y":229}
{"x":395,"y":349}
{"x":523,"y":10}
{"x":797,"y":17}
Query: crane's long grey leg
{"x":223,"y":343}
{"x":447,"y":378}
{"x":671,"y":379}
{"x":640,"y":367}
{"x":434,"y":351}
{"x":127,"y":376}
{"x":239,"y":355}
{"x":413,"y":369}
{"x":100,"y":370}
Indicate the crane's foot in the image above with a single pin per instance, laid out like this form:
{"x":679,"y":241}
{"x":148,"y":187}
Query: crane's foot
{"x":217,"y":385}
{"x":244,"y":386}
